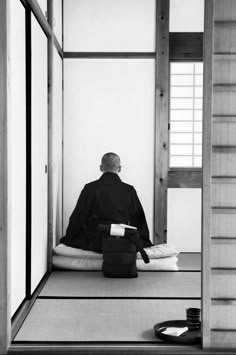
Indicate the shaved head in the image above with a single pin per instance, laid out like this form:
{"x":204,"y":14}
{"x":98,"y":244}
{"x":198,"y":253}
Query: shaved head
{"x":110,"y":163}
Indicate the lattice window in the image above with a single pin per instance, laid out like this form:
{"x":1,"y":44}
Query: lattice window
{"x":186,"y":86}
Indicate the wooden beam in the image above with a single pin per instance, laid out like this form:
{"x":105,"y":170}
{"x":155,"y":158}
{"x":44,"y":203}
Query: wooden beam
{"x":206,"y":188}
{"x":184,"y":179}
{"x":5,"y":324}
{"x":38,"y":13}
{"x":110,"y":55}
{"x":161,"y":124}
{"x":186,"y":46}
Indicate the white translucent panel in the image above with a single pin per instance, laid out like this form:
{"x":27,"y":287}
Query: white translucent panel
{"x":181,"y":115}
{"x":39,"y":155}
{"x":182,"y":68}
{"x":197,"y":149}
{"x":57,"y":146}
{"x":198,"y":104}
{"x":198,"y":80}
{"x":197,"y":162}
{"x":186,"y":16}
{"x":43,"y":6}
{"x":184,"y":219}
{"x":109,"y":105}
{"x":182,"y":138}
{"x":17,"y":154}
{"x":198,"y":115}
{"x":198,"y":68}
{"x":181,"y":149}
{"x":181,"y":127}
{"x":109,"y":25}
{"x":181,"y":91}
{"x":181,"y":161}
{"x":198,"y":91}
{"x":181,"y":103}
{"x":57,"y":19}
{"x":181,"y":80}
{"x":197,"y":126}
{"x":198,"y":138}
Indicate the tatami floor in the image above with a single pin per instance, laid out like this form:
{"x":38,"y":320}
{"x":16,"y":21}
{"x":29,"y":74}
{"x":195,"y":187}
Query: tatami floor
{"x":76,"y":306}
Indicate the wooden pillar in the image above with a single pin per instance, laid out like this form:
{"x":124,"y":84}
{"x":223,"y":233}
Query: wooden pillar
{"x":50,"y":135}
{"x":5,"y":322}
{"x":206,"y":178}
{"x":162,"y":115}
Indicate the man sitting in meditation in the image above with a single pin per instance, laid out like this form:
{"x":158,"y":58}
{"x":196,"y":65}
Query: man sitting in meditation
{"x":105,"y":201}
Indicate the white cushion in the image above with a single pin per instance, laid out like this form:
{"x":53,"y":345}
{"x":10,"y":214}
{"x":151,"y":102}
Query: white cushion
{"x":75,"y":263}
{"x":154,"y":252}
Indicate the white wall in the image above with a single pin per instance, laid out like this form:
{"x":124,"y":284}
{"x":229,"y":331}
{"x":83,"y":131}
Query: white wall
{"x":184,"y":219}
{"x":109,"y":25}
{"x":57,"y":146}
{"x":109,"y":106}
{"x":17,"y":154}
{"x":39,"y":154}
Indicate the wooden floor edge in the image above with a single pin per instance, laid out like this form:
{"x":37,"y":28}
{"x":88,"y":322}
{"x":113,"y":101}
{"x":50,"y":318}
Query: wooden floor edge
{"x":116,"y":349}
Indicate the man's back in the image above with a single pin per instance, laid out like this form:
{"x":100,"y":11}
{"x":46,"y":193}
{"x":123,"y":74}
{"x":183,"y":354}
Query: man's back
{"x":105,"y":201}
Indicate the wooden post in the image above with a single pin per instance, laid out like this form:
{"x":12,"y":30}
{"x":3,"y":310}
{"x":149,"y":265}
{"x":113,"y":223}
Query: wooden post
{"x":162,"y":114}
{"x":5,"y":321}
{"x":50,"y":135}
{"x":206,"y":186}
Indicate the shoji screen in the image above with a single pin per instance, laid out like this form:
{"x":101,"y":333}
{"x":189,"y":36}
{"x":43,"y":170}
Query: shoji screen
{"x":39,"y":154}
{"x":109,"y":106}
{"x":57,"y":146}
{"x":109,"y":103}
{"x":17,"y":156}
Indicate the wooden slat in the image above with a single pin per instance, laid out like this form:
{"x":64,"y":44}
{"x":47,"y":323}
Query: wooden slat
{"x":223,"y":253}
{"x":224,"y":37}
{"x":224,"y":56}
{"x":223,"y":224}
{"x":223,"y":315}
{"x":224,"y":193}
{"x":224,"y":103}
{"x":224,"y":119}
{"x":223,"y":284}
{"x":225,"y":10}
{"x":4,"y":236}
{"x":206,"y":183}
{"x":162,"y":113}
{"x":224,"y":162}
{"x":224,"y":133}
{"x":224,"y":87}
{"x":224,"y":71}
{"x":219,"y":339}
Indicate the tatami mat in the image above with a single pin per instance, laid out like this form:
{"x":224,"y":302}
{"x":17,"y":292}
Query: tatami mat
{"x":146,"y":285}
{"x":96,"y":320}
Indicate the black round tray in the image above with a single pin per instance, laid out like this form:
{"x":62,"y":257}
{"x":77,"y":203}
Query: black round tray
{"x":190,"y":337}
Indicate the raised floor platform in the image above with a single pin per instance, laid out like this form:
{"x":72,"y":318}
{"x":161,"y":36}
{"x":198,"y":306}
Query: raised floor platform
{"x":85,"y":307}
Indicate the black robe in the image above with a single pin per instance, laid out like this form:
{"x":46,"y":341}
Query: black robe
{"x":104,"y":201}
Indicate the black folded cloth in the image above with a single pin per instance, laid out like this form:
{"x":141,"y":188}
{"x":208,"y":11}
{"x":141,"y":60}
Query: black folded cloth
{"x":131,"y":234}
